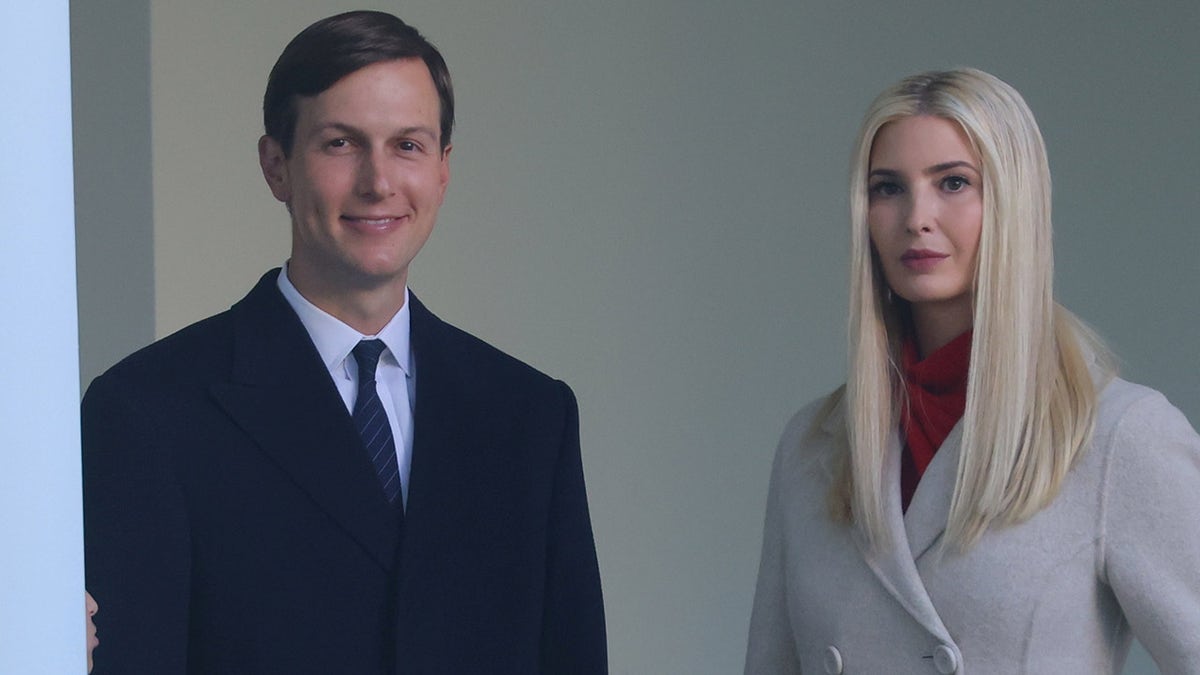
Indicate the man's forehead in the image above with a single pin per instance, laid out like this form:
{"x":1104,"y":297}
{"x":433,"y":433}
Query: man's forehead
{"x":404,"y":83}
{"x":411,"y":64}
{"x":389,"y":101}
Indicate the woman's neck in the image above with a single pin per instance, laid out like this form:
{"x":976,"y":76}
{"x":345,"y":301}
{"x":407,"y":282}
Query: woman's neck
{"x":935,"y":325}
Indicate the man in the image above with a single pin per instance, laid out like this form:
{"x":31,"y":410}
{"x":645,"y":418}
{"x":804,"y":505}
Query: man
{"x":327,"y":478}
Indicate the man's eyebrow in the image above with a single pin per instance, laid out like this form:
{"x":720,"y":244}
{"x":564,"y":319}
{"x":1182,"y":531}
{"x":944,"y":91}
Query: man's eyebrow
{"x":418,"y":131}
{"x":338,"y":126}
{"x":342,"y":127}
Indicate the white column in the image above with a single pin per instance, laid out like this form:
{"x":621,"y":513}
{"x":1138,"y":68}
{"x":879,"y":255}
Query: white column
{"x":41,"y":526}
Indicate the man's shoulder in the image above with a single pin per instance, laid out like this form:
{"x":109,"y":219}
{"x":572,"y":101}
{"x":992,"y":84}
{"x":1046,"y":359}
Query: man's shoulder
{"x":452,"y":348}
{"x":196,"y":349}
{"x":201,"y":349}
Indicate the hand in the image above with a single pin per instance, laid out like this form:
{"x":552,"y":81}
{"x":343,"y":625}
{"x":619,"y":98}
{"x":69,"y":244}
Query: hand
{"x":90,"y":608}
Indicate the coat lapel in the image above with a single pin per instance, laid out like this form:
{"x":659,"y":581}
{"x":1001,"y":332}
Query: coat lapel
{"x":893,"y":565}
{"x":439,"y":425}
{"x":927,"y":514}
{"x":281,"y":395}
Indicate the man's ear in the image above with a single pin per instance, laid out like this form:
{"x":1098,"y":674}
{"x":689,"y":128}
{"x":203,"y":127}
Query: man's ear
{"x":445,"y":168}
{"x":273,"y":162}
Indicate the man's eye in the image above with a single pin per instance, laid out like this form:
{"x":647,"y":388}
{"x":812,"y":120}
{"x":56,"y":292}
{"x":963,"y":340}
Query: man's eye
{"x":408,"y":146}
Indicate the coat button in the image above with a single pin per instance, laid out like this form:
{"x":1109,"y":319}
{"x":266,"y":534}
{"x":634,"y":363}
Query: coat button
{"x":833,"y":661}
{"x":944,"y":660}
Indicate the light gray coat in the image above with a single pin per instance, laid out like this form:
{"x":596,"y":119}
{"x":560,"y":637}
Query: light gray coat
{"x":1116,"y":554}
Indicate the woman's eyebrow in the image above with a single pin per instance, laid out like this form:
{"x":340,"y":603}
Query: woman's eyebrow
{"x":946,"y":166}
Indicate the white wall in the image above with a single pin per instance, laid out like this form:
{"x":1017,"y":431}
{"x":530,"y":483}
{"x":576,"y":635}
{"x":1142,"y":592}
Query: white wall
{"x":41,"y":529}
{"x":648,"y":201}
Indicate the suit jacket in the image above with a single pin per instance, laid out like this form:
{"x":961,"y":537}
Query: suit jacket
{"x":234,"y":523}
{"x":1117,"y":551}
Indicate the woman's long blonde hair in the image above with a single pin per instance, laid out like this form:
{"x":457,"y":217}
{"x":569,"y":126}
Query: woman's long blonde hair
{"x":1031,"y":397}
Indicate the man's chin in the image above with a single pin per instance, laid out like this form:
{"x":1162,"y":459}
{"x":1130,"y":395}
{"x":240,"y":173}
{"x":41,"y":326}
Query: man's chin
{"x":379,"y":278}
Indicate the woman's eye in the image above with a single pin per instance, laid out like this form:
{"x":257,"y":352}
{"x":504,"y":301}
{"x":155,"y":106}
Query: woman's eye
{"x":955,"y":183}
{"x":884,"y":189}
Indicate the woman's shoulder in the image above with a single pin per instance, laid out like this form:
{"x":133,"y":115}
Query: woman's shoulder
{"x":1145,"y":444}
{"x":811,"y":434}
{"x":1127,"y":409}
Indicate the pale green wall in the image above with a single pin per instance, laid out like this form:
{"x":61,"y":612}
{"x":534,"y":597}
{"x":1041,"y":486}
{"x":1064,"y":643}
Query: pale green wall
{"x":648,"y":202}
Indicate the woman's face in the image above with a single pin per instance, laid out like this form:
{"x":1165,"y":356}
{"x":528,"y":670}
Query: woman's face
{"x":925,"y":213}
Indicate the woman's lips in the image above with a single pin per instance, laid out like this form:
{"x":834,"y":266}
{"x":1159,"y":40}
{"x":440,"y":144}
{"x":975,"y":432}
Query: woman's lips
{"x":922,"y":260}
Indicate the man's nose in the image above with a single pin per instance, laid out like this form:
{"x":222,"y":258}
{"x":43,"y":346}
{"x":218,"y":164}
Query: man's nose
{"x":374,"y":179}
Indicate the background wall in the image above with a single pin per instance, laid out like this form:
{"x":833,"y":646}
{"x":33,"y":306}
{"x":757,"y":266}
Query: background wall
{"x":648,"y":201}
{"x":114,"y":191}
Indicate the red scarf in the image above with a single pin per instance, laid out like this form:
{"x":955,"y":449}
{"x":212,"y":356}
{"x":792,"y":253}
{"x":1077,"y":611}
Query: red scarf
{"x":937,"y":396}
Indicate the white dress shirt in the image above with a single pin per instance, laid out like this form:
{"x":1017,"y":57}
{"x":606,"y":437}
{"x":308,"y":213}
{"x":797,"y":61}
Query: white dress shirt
{"x":395,"y":378}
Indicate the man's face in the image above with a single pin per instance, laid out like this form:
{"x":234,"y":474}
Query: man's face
{"x":364,"y":180}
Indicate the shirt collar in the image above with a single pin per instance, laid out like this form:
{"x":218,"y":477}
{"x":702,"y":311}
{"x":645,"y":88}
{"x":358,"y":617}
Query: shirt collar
{"x":335,"y":340}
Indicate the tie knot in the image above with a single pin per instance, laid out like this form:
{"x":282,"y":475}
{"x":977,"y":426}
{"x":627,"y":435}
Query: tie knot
{"x":366,"y":353}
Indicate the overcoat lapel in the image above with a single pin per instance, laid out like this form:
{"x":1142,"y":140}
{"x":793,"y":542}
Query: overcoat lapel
{"x":927,"y":514}
{"x":894,"y":564}
{"x":439,"y":423}
{"x":281,"y":395}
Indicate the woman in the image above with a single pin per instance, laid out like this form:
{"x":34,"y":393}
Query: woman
{"x":983,"y":495}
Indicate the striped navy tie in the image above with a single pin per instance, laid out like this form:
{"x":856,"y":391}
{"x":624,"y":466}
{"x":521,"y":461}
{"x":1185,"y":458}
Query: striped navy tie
{"x":372,"y":421}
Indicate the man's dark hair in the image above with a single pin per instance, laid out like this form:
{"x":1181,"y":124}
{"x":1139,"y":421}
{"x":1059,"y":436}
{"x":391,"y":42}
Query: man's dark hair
{"x":335,"y":47}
